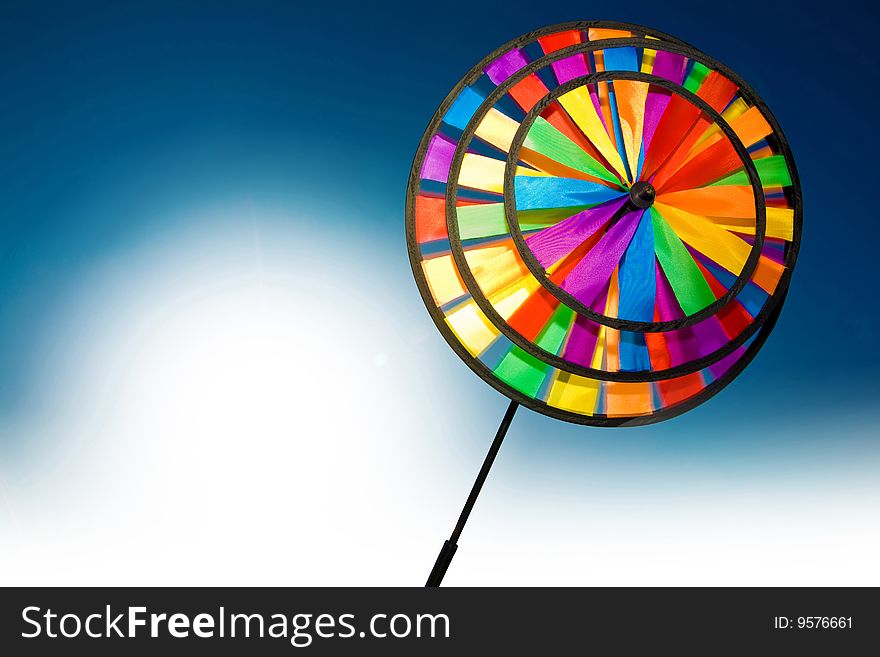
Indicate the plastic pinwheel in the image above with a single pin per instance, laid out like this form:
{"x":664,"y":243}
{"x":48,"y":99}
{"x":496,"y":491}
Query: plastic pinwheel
{"x":603,"y":223}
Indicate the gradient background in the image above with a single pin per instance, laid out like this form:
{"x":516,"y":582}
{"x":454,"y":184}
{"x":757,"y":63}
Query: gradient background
{"x":215,"y":367}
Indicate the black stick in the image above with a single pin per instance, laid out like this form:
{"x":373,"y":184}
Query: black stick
{"x":450,"y":546}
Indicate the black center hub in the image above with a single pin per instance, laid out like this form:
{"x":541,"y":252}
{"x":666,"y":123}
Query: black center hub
{"x":642,"y":194}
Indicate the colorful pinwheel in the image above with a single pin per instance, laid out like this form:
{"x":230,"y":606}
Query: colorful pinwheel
{"x":603,"y":223}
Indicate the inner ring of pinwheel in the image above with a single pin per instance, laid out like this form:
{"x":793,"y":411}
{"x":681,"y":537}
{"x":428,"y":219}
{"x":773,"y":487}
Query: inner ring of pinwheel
{"x":626,"y":210}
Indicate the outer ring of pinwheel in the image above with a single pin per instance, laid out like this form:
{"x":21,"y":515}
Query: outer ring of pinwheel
{"x":769,"y":315}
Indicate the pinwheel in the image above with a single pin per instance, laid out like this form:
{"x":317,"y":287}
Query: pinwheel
{"x":602,"y":222}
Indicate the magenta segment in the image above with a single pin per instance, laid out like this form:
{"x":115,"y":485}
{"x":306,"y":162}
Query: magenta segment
{"x":710,"y":338}
{"x":594,"y":271}
{"x":692,"y":342}
{"x":720,"y":368}
{"x":775,"y":253}
{"x":667,"y":304}
{"x":682,"y":343}
{"x":557,"y":241}
{"x":505,"y":66}
{"x":570,"y":68}
{"x":683,"y":346}
{"x":438,"y":159}
{"x":671,"y":67}
{"x":581,"y":344}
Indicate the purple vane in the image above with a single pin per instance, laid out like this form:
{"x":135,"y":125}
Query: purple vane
{"x":670,"y":66}
{"x":711,"y":337}
{"x":667,"y":305}
{"x":559,"y":240}
{"x":681,"y":343}
{"x":505,"y":66}
{"x":581,"y":342}
{"x":592,"y":273}
{"x":570,"y":68}
{"x":438,"y":159}
{"x":720,"y":368}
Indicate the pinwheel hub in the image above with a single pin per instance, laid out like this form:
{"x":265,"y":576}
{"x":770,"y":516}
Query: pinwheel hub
{"x":642,"y":194}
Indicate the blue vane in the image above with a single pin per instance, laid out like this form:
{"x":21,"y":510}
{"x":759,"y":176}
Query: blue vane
{"x":539,"y":192}
{"x":463,"y":108}
{"x":637,"y":292}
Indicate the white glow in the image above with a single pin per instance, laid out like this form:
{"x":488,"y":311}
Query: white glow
{"x":232,"y":413}
{"x":250,"y":406}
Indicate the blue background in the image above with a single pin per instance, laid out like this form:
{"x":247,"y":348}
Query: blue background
{"x":111,"y":114}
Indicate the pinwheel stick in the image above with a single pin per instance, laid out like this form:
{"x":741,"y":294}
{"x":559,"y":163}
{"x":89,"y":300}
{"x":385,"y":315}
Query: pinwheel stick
{"x":450,"y":546}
